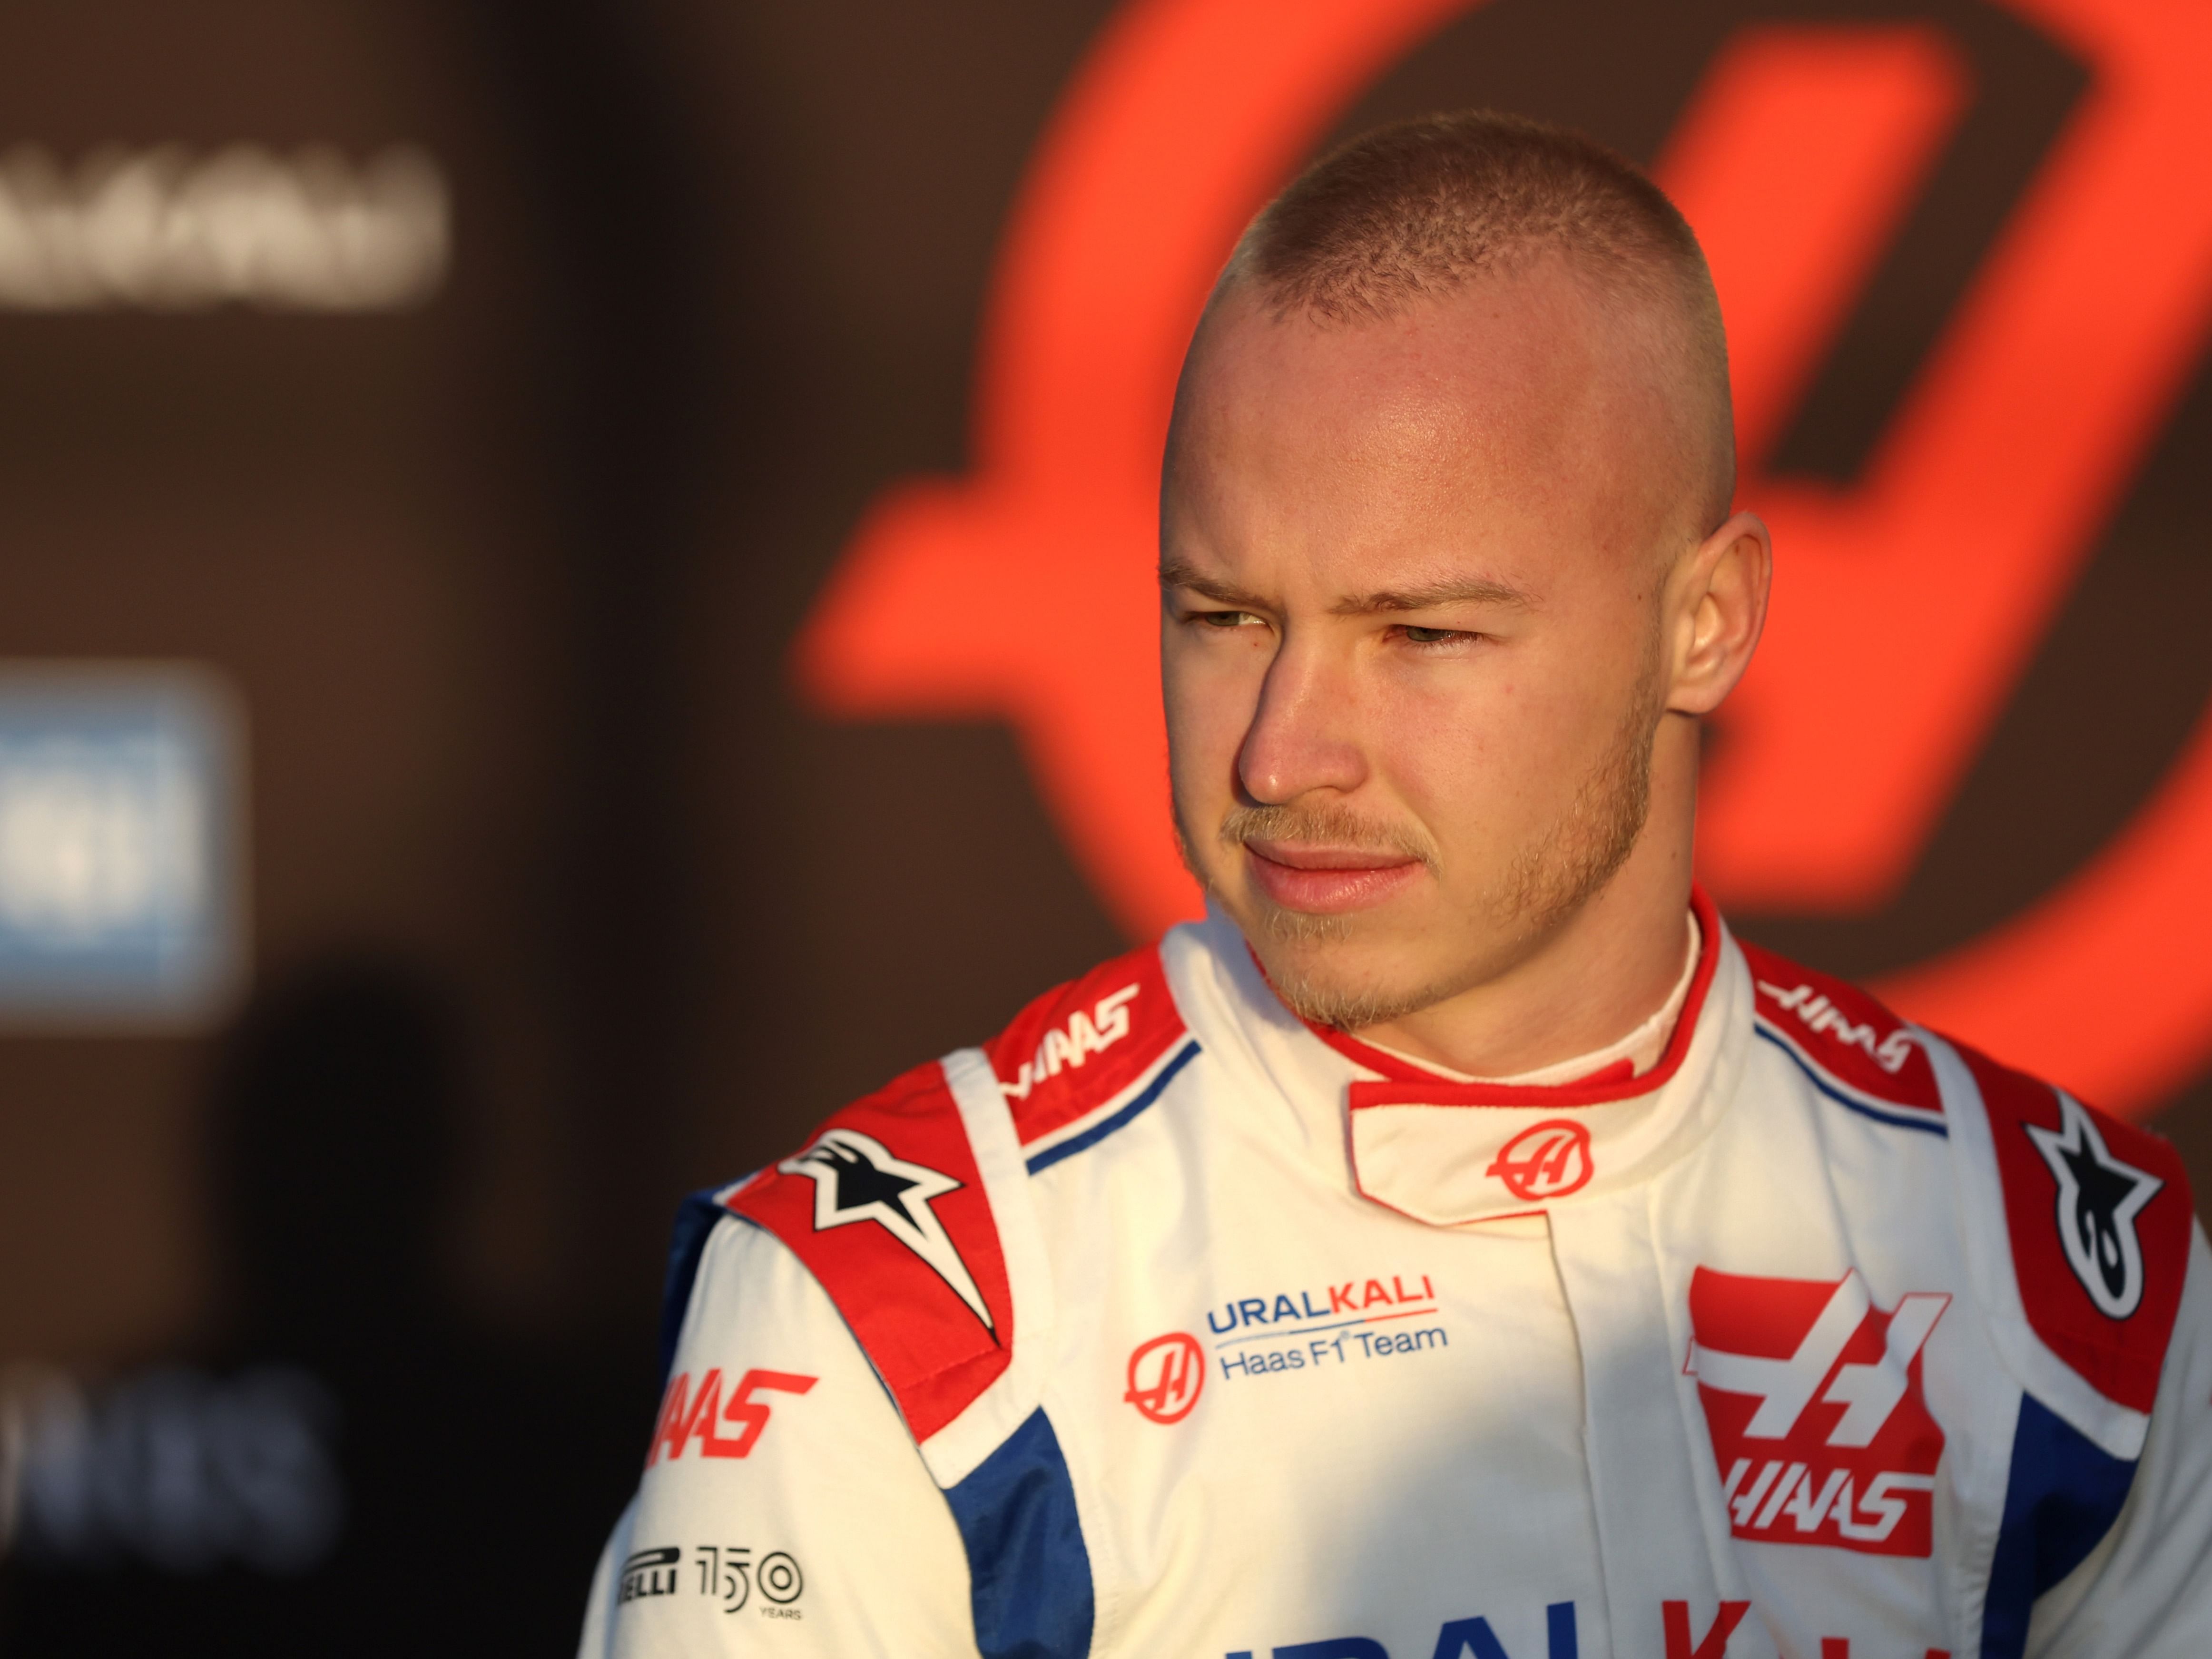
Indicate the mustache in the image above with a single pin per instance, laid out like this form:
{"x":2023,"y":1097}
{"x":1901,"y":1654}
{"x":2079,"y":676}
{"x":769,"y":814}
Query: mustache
{"x":1326,"y":825}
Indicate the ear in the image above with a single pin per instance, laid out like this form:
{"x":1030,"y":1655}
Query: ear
{"x":1716,"y":607}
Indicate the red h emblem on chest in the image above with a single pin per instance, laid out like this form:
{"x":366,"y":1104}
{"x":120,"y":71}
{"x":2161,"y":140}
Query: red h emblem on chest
{"x":1812,"y":1395}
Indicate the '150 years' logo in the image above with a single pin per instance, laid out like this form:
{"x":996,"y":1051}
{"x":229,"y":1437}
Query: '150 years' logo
{"x":727,"y":1573}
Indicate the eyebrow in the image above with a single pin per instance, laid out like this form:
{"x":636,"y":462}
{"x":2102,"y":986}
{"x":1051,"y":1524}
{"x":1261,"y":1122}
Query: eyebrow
{"x":1423,"y":596}
{"x":1428,"y":596}
{"x":1173,"y":573}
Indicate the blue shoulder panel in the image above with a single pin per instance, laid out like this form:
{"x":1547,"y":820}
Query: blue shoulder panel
{"x":1029,"y":1573}
{"x":694,"y":1222}
{"x":2062,"y":1497}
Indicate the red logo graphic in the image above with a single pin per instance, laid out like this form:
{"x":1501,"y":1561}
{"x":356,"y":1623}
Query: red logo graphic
{"x":1549,"y":1160}
{"x":1675,"y":1619}
{"x":1798,"y":160}
{"x":1812,"y":1395}
{"x":686,"y":1418}
{"x":1165,"y":1377}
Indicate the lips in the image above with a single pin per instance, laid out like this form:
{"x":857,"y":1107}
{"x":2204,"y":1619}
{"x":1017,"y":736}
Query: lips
{"x":1328,"y":880}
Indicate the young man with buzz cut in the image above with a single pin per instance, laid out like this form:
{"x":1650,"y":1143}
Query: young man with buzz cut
{"x":1458,"y":1243}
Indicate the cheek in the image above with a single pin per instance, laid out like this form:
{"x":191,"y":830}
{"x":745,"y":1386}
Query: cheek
{"x":1210,"y":694}
{"x":1487,"y":755}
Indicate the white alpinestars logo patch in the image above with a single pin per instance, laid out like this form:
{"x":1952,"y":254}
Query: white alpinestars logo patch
{"x":2098,"y":1198}
{"x":857,"y":1178}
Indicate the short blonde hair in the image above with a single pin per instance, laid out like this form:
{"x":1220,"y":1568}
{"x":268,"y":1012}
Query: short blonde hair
{"x":1413,"y":211}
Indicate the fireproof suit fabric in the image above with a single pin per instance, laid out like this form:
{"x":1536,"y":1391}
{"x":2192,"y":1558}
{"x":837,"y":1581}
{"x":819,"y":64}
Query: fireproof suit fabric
{"x":1162,"y":1324}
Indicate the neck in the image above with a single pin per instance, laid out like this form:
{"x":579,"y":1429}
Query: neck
{"x":1599,"y":972}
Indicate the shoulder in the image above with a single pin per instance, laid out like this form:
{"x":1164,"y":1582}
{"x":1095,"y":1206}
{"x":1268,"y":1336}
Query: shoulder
{"x":2077,"y":1224}
{"x":1849,"y":1047}
{"x":889,"y":1207}
{"x":2096,"y":1215}
{"x":1088,"y":1056}
{"x":911,"y":1206}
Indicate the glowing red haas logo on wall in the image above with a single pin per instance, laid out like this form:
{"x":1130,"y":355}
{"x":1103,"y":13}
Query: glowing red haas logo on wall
{"x":1819,"y":1421}
{"x":1908,"y":602}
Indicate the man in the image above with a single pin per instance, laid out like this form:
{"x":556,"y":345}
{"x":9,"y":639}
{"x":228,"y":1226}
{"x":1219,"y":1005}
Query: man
{"x":1458,"y":1243}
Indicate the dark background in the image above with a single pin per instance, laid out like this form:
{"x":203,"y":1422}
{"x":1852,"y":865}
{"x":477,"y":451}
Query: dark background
{"x":561,"y":904}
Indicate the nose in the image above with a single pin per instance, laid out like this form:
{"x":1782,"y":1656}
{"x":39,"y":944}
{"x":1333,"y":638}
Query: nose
{"x":1304,"y":733}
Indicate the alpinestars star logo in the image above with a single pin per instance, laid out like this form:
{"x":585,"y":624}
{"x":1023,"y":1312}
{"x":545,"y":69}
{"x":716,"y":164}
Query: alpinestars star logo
{"x":2098,"y":1198}
{"x":857,"y":1178}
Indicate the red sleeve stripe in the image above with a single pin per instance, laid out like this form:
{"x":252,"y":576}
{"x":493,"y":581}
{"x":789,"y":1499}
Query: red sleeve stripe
{"x":1894,"y":1113}
{"x":1084,"y":1046}
{"x":1118,"y":1113}
{"x":887,"y":1209}
{"x":2099,"y":1214}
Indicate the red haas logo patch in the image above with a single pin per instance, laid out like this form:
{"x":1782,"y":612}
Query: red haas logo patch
{"x":1813,"y":1396}
{"x":1165,"y":1375}
{"x":1548,"y":1160}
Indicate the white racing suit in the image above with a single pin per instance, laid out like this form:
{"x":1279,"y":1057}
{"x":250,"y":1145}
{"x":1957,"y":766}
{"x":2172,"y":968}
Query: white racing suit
{"x":1166,"y":1325}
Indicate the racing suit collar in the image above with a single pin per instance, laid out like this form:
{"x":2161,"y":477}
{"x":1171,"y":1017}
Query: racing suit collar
{"x":1399,"y":1077}
{"x":1449,"y":1154}
{"x":1631,"y":1055}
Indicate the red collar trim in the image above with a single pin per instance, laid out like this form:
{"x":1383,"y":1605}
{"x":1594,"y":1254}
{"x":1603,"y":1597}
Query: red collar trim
{"x":1408,"y":1084}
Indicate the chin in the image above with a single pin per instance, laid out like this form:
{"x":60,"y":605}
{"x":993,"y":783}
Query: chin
{"x":1324,"y":972}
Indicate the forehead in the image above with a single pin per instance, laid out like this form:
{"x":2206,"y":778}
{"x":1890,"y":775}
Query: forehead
{"x":1507,"y":417}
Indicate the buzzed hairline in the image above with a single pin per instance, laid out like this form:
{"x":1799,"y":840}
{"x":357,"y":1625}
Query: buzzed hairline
{"x":1412,"y":213}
